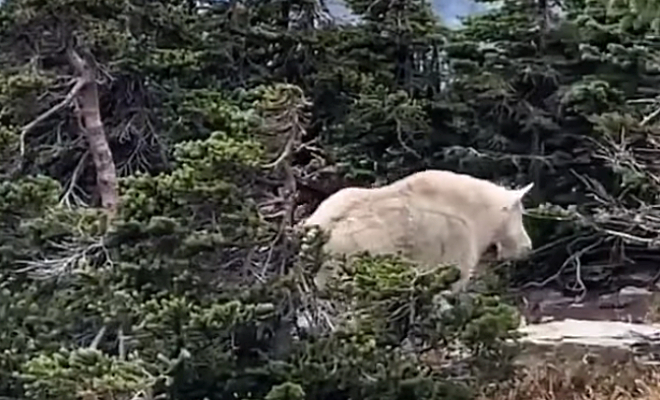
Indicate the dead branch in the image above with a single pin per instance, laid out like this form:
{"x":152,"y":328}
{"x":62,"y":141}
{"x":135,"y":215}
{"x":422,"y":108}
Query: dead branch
{"x":650,"y":117}
{"x":77,"y":87}
{"x":69,"y":193}
{"x":574,"y":258}
{"x":626,"y":226}
{"x":122,"y":344}
{"x":97,"y":339}
{"x":399,"y":135}
{"x":71,"y":257}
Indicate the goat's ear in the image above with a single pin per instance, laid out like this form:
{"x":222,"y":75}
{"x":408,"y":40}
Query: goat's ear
{"x":523,"y":191}
{"x":518,"y":194}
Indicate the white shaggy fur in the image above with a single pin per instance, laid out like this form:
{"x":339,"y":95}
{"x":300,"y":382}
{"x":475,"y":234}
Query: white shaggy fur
{"x":430,"y":217}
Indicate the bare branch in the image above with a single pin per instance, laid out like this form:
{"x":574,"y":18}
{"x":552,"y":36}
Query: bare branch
{"x":73,"y":181}
{"x":122,"y":344}
{"x":650,"y":117}
{"x":399,"y":135}
{"x":77,"y":87}
{"x":98,"y":337}
{"x":69,"y":258}
{"x":574,"y":259}
{"x":77,"y":62}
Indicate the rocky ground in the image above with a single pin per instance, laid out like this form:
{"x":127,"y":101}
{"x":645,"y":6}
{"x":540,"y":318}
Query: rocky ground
{"x":603,"y":346}
{"x":625,"y":318}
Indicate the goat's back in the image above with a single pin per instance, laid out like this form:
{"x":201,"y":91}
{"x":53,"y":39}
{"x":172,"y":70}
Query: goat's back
{"x":422,"y":217}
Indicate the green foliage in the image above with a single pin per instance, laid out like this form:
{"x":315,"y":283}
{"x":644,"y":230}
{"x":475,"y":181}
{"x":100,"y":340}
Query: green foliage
{"x":196,"y":282}
{"x":9,"y":141}
{"x":354,"y":366}
{"x":392,"y":301}
{"x":195,"y":114}
{"x":28,"y":195}
{"x":591,"y":96}
{"x":194,"y":185}
{"x":286,"y":391}
{"x":381,"y":133}
{"x":394,"y":295}
{"x":18,"y":91}
{"x":84,"y":373}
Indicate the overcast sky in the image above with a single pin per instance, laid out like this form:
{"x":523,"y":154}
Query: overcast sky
{"x":449,"y":10}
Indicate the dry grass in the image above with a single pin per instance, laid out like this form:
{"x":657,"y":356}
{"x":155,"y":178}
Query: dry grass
{"x":653,"y":314}
{"x":577,"y":375}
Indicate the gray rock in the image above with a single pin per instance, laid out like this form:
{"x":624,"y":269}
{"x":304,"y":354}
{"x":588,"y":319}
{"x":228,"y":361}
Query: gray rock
{"x":596,"y":333}
{"x":609,"y":300}
{"x":634,"y":291}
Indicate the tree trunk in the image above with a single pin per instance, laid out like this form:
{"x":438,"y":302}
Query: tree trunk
{"x":94,"y":132}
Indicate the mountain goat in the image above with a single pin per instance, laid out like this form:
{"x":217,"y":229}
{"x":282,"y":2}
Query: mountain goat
{"x":430,"y":217}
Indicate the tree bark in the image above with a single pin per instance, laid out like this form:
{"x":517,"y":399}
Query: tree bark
{"x":93,"y":130}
